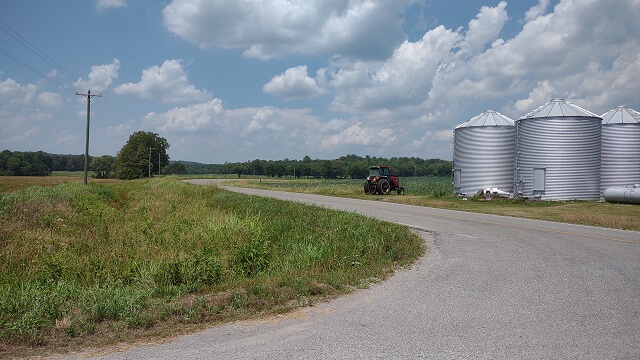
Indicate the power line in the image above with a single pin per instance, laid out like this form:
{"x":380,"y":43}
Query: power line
{"x":109,"y":114}
{"x":102,"y":119}
{"x":108,"y":111}
{"x":34,"y":49}
{"x":12,"y":57}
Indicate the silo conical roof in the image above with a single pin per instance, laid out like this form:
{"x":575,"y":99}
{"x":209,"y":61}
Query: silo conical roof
{"x":621,"y":115}
{"x":488,"y":118}
{"x":558,"y":108}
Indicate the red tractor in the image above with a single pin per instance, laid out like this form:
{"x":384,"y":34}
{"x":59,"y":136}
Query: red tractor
{"x":380,"y":181}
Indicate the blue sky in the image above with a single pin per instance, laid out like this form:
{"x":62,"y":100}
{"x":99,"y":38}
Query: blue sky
{"x":232,"y":80}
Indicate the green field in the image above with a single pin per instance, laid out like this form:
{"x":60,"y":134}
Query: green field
{"x":88,"y":266}
{"x":437,"y":192}
{"x":432,"y":186}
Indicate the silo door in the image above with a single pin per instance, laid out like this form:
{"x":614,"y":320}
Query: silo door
{"x":456,"y":178}
{"x":538,"y":179}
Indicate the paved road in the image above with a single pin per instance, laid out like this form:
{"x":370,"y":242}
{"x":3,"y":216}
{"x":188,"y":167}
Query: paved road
{"x":489,"y":287}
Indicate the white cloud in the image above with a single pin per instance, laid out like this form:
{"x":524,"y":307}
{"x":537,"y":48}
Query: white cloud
{"x":436,"y":144}
{"x":402,"y":80}
{"x":197,"y":117}
{"x":267,"y":29}
{"x":50,"y":100}
{"x":294,"y":83}
{"x":539,"y":9}
{"x":68,"y":138}
{"x":357,"y":134}
{"x":21,"y":137}
{"x":574,"y":51}
{"x":265,"y":119}
{"x":11,"y":92}
{"x":23,"y":105}
{"x":538,"y":96}
{"x":484,"y":28}
{"x":168,"y":82}
{"x":110,"y":4}
{"x":100,"y":77}
{"x":119,"y":130}
{"x":443,"y":135}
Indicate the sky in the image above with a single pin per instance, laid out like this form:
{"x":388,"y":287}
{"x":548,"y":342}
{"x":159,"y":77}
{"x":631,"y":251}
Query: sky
{"x":229,"y":80}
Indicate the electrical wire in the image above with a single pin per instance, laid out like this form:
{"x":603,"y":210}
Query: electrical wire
{"x":35,"y":50}
{"x":12,"y":57}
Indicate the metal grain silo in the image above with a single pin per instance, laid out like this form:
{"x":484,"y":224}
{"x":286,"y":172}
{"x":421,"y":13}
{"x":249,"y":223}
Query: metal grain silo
{"x":558,"y":153}
{"x":483,"y":153}
{"x":620,"y":148}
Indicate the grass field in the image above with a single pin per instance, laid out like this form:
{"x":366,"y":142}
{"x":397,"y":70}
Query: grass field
{"x":437,"y":192}
{"x":13,"y":183}
{"x":111,"y":262}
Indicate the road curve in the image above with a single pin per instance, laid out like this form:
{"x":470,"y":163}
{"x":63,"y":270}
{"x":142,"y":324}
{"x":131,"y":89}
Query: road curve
{"x":489,"y":287}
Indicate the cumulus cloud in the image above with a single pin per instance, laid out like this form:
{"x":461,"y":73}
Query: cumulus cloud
{"x":484,"y":28}
{"x":110,"y":4}
{"x":267,"y":29}
{"x":294,"y":83}
{"x":11,"y":92}
{"x":574,"y":51}
{"x":538,"y":96}
{"x":100,"y":77}
{"x":357,"y":134}
{"x":168,"y":82}
{"x":404,"y":79}
{"x":23,"y":136}
{"x":68,"y":138}
{"x":539,"y":9}
{"x":50,"y":100}
{"x":197,"y":117}
{"x":264,"y":119}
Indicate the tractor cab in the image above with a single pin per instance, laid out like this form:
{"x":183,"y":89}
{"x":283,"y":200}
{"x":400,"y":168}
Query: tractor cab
{"x":376,"y":171}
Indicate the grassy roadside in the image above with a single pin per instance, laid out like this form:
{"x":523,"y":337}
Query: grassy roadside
{"x":91,"y":266}
{"x":434,"y":192}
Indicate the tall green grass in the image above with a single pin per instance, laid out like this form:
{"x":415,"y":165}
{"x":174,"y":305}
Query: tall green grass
{"x":112,"y":259}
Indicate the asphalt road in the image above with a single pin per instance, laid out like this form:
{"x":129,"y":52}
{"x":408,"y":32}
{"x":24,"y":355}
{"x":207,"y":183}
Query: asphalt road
{"x":490,"y":287}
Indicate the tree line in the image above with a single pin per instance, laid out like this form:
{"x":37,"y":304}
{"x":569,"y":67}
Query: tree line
{"x":145,"y":154}
{"x":350,"y":166}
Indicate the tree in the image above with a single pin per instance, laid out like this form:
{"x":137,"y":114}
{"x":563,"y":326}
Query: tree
{"x":133,"y":159}
{"x":102,"y":166}
{"x":25,"y":163}
{"x":357,"y":170}
{"x":174,"y":168}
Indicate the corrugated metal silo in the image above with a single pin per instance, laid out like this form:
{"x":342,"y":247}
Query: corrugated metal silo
{"x":558,"y":153}
{"x":620,"y":147}
{"x":483,"y":153}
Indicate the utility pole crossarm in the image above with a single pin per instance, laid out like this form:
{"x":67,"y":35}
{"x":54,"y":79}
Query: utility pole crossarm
{"x":88,"y":95}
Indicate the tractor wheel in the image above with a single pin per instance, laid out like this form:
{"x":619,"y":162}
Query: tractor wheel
{"x":384,"y":187}
{"x":400,"y":191}
{"x":367,"y":189}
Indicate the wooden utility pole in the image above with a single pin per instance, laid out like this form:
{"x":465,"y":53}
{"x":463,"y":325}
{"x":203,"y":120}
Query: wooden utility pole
{"x":88,"y":95}
{"x":158,"y":163}
{"x":150,"y":148}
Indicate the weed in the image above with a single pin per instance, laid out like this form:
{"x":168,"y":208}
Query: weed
{"x":252,"y":258}
{"x":109,"y":260}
